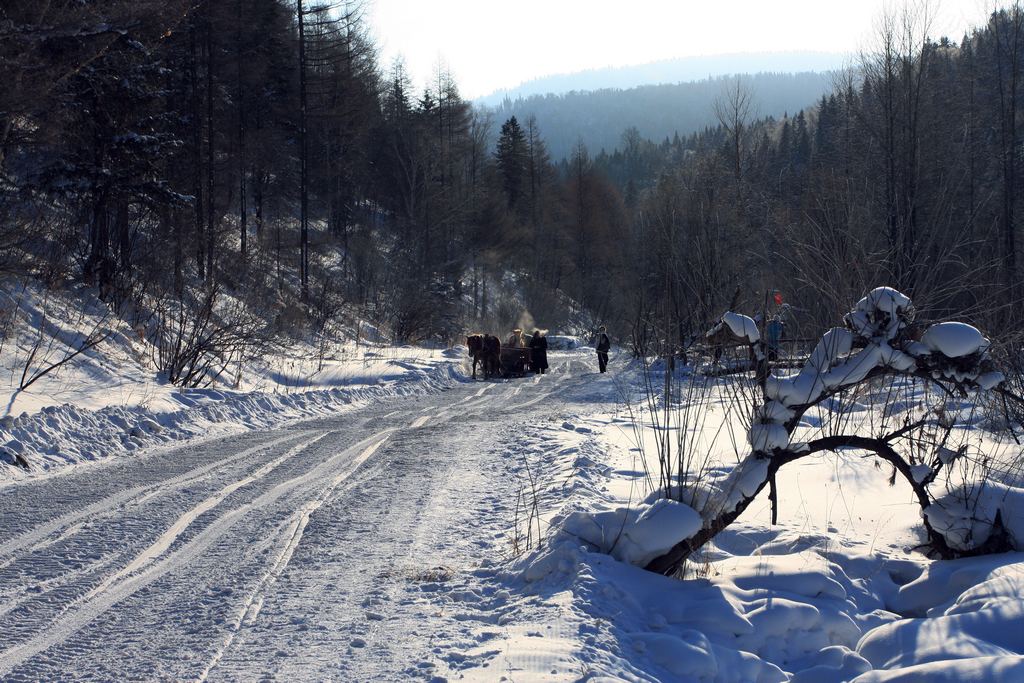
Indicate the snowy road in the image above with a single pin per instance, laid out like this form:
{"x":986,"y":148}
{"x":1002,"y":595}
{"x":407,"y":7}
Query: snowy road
{"x":303,"y":553}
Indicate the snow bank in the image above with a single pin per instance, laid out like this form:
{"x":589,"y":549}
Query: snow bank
{"x":62,"y":435}
{"x":968,"y":629}
{"x":966,"y":516}
{"x":976,"y":670}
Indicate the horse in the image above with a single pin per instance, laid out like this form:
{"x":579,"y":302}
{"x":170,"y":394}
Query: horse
{"x":491,"y":355}
{"x":485,"y":349}
{"x":475,"y":349}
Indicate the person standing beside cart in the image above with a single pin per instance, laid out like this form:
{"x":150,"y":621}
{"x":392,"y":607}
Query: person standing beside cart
{"x":539,"y":352}
{"x":602,"y":344}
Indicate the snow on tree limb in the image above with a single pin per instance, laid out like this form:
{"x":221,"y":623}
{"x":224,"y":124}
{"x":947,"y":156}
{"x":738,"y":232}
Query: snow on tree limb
{"x":875,"y":342}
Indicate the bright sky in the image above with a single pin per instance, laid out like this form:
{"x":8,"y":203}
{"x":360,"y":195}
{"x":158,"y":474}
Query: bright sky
{"x":490,"y":45}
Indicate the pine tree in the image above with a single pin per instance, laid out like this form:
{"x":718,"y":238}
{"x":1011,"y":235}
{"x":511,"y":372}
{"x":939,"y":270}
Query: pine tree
{"x":511,"y":156}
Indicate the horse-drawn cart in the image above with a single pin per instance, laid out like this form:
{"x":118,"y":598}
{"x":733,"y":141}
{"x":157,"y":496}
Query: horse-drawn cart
{"x":515,"y":362}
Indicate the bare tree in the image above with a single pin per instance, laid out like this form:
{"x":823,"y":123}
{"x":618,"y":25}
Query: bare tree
{"x":1008,"y":32}
{"x":734,"y":109}
{"x":896,"y":72}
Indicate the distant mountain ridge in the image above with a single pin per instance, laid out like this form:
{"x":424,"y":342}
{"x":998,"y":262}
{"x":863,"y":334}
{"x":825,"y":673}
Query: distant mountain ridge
{"x":599,"y":117}
{"x":678,"y":70}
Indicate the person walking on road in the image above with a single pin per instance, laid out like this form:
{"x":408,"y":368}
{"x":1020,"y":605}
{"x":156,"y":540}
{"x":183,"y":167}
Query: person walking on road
{"x":539,"y":352}
{"x":602,"y":344}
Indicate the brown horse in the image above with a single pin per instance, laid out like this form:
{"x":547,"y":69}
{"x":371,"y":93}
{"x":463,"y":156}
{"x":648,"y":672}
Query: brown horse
{"x":492,"y":355}
{"x":475,"y":349}
{"x":485,"y":349}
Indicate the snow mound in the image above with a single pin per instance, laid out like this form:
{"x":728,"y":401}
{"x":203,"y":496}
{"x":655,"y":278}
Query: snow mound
{"x":966,"y":516}
{"x":1000,"y":668}
{"x":738,"y":325}
{"x":834,"y":344}
{"x":636,"y":535}
{"x":765,"y":438}
{"x":970,"y":633}
{"x":990,"y":380}
{"x":954,"y":340}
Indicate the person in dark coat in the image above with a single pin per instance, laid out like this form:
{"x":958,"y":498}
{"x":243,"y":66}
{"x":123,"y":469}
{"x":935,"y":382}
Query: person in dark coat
{"x":539,"y":352}
{"x":602,"y":344}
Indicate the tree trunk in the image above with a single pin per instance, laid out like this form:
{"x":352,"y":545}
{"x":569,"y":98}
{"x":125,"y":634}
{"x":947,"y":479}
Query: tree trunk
{"x":196,"y":151}
{"x":240,"y":104}
{"x":210,"y":156}
{"x":303,"y":162}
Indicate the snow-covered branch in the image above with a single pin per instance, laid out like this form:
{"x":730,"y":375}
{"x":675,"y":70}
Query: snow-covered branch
{"x":878,"y":341}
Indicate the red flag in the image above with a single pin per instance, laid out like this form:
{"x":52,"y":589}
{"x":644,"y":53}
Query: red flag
{"x":778,"y":298}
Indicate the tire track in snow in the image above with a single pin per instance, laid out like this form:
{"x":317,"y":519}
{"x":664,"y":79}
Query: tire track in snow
{"x":212,"y":549}
{"x":544,"y":391}
{"x":474,"y":404}
{"x":160,"y":546}
{"x":77,"y":523}
{"x":250,"y":608}
{"x":81,"y":613}
{"x":31,"y":539}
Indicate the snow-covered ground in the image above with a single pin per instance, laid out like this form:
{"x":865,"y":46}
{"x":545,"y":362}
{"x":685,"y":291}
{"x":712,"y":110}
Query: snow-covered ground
{"x":72,"y":433}
{"x":836,"y":591}
{"x":110,"y":400}
{"x":421,"y":527}
{"x":331,"y":549}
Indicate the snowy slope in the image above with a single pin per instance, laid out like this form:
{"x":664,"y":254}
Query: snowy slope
{"x":110,"y":400}
{"x":426,"y":535}
{"x":63,"y":435}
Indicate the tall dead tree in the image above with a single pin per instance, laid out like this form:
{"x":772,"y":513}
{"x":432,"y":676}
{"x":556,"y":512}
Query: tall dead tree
{"x":303,"y":160}
{"x":896,"y":74}
{"x":240,"y":106}
{"x":1008,"y":42}
{"x":734,"y":109}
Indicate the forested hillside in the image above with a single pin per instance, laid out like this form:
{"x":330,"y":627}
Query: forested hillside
{"x":661,"y":111}
{"x":672,"y":71}
{"x":908,"y":172}
{"x":249,"y":166}
{"x":227,"y":171}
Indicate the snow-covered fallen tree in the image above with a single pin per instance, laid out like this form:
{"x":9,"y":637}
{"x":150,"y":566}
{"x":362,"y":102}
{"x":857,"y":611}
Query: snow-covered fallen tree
{"x":877,"y":350}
